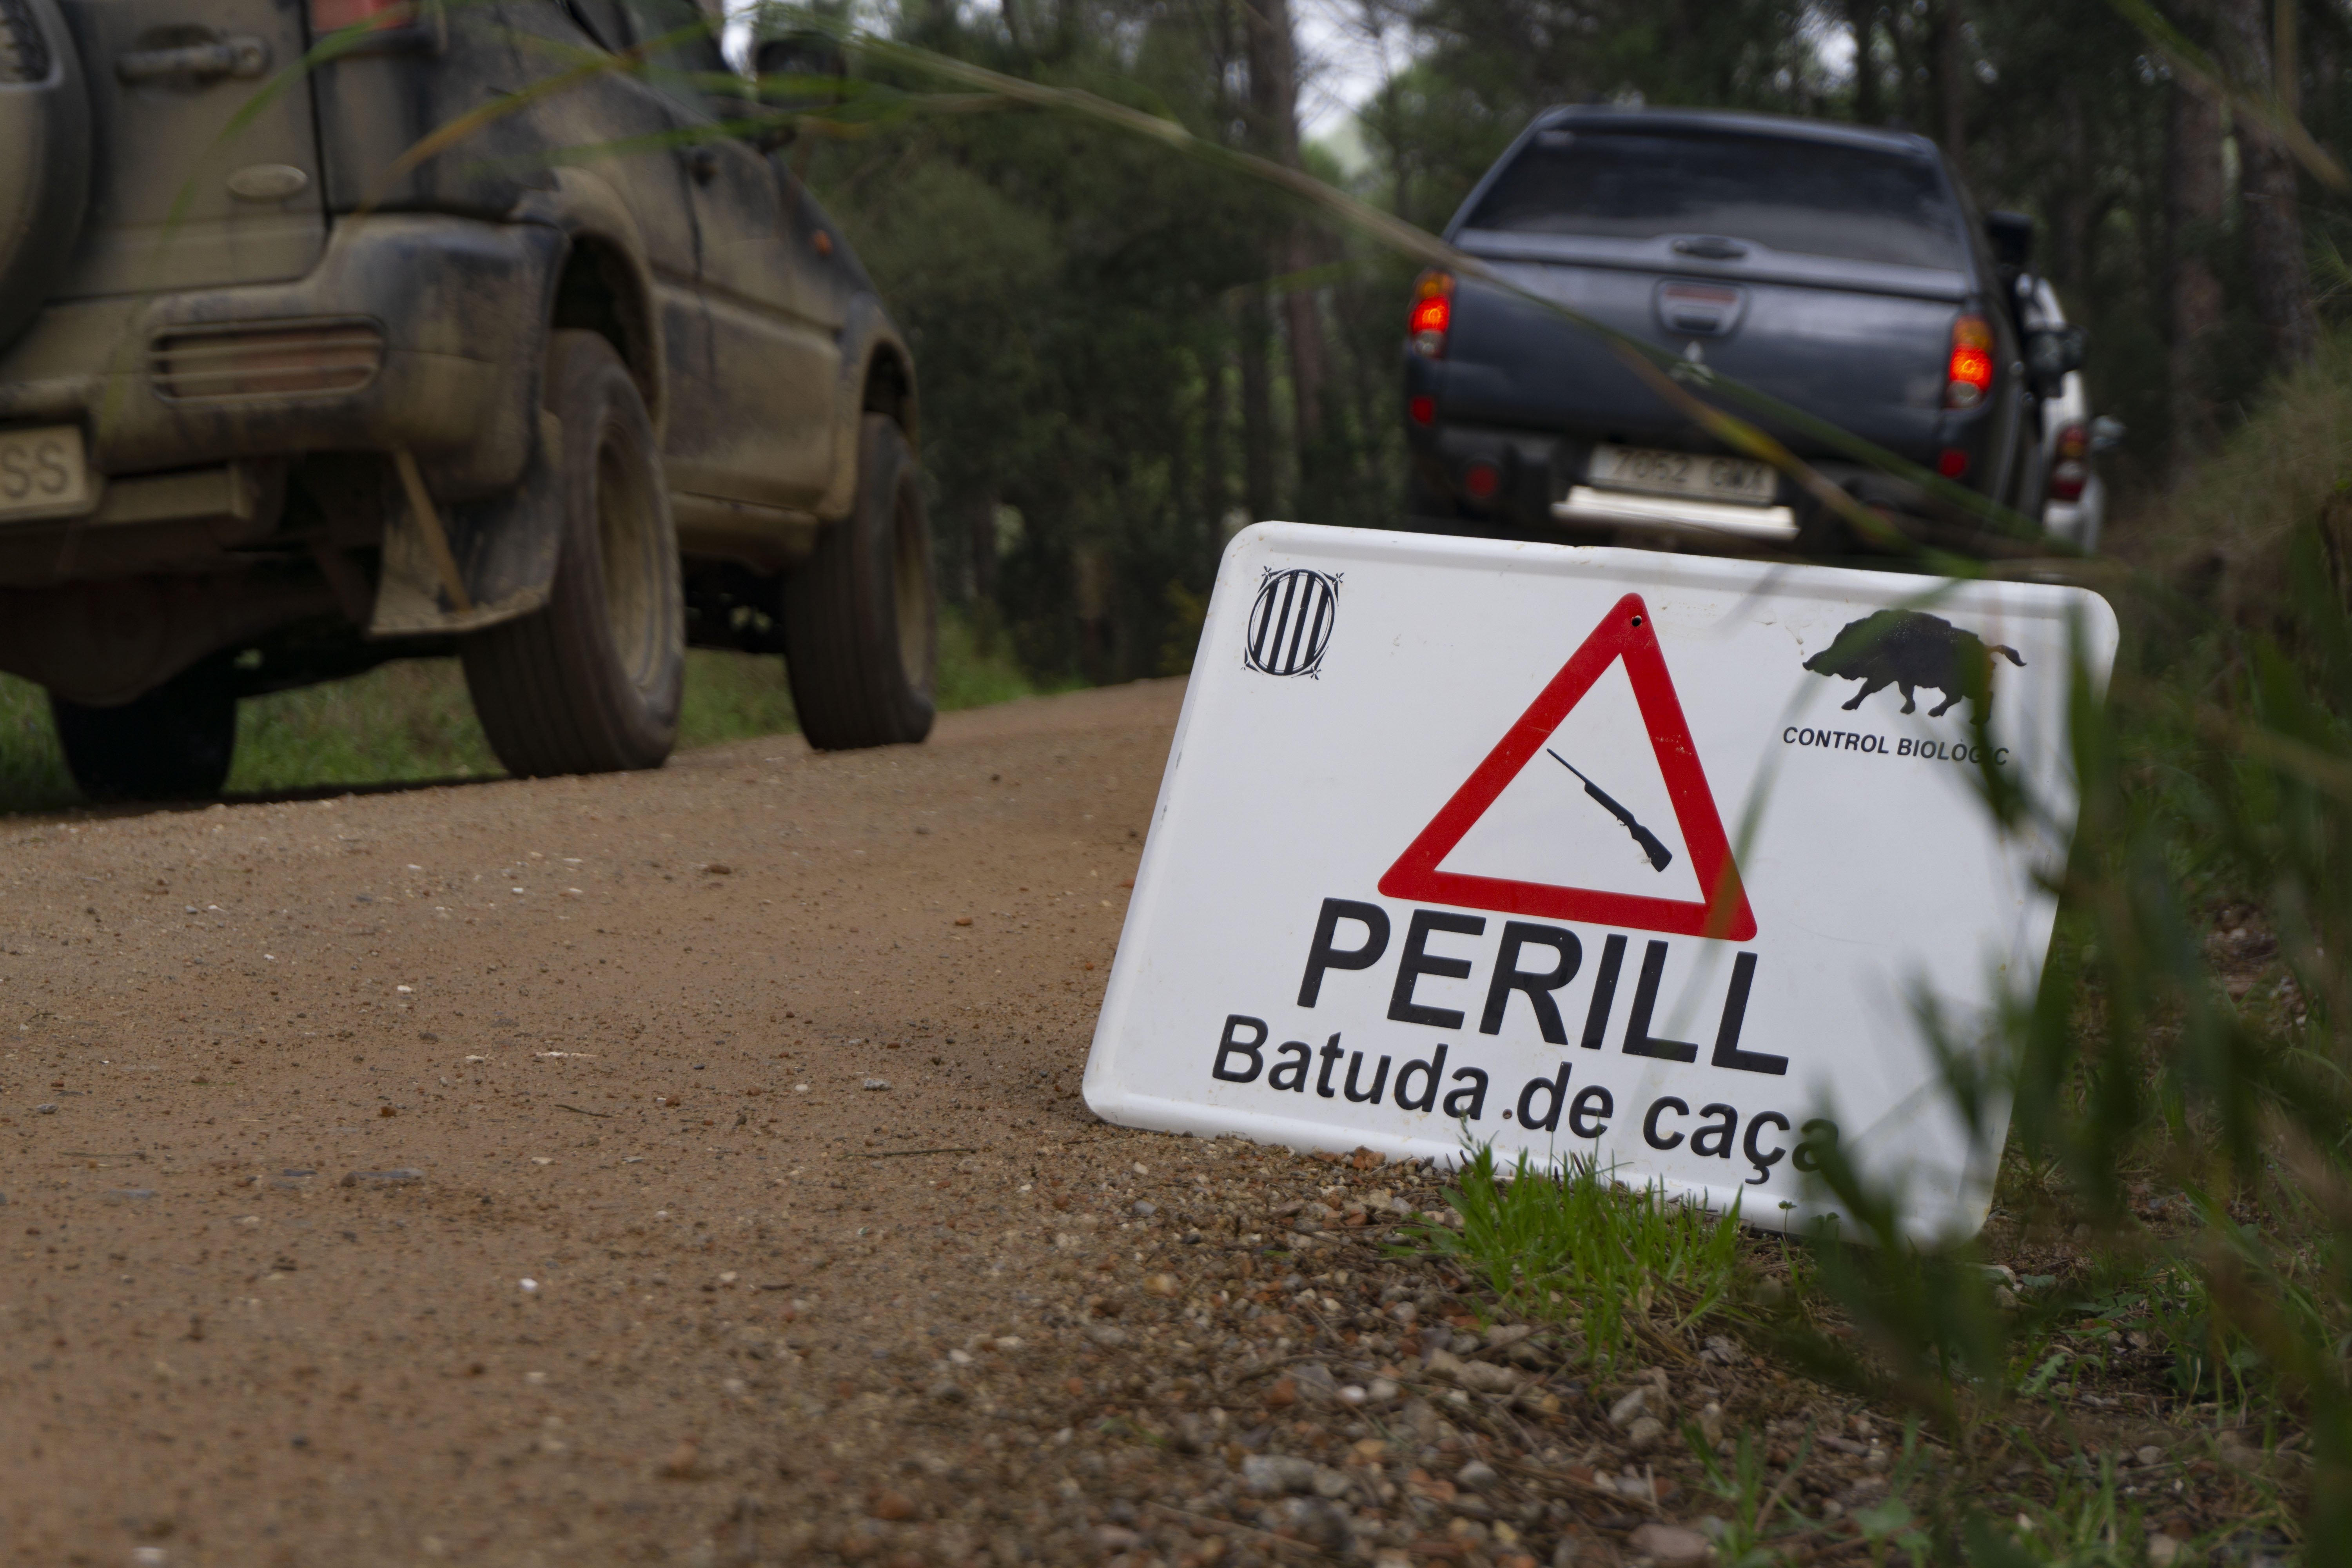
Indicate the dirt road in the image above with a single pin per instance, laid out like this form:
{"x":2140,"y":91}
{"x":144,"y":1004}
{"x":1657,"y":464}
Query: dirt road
{"x":688,"y":1167}
{"x":627,"y":1045}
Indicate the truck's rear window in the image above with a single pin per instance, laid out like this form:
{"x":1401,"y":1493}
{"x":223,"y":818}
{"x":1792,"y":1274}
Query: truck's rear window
{"x":1815,"y":198}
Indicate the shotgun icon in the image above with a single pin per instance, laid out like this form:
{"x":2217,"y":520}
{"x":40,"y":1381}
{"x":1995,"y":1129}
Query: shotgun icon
{"x":1660,"y":856}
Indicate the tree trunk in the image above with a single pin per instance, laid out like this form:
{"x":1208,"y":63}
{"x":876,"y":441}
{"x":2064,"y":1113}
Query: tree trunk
{"x":1862,"y":16}
{"x":1952,"y":67}
{"x":1273,"y":105}
{"x":2276,"y":268}
{"x":1911,"y":67}
{"x":2192,"y":228}
{"x":2071,"y":246}
{"x":1257,"y":412}
{"x":1216,"y":494}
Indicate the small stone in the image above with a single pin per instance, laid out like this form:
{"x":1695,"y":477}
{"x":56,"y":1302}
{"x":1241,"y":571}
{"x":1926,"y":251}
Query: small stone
{"x":1404,"y":1312}
{"x":2004,"y":1298}
{"x":1318,"y":1522}
{"x":1668,"y":1544}
{"x":1504,"y":1334}
{"x":1645,"y":1432}
{"x":1277,"y":1475}
{"x":948,"y":1391}
{"x":124,"y":1195}
{"x":891,"y":1506}
{"x":2164,"y":1551}
{"x":1710,"y":1423}
{"x":1477,"y":1475}
{"x":1380,"y":1391}
{"x":683,"y":1459}
{"x":1163,"y":1284}
{"x":49,"y":1110}
{"x":875,"y":1083}
{"x":1485,"y":1377}
{"x":1630,"y":1405}
{"x":2151,"y":1454}
{"x":1145,"y":1208}
{"x":1444,"y":1363}
{"x":395,"y":1178}
{"x":1315,"y":1382}
{"x":1332,"y":1483}
{"x":1116,"y":1537}
{"x":1110,"y":1336}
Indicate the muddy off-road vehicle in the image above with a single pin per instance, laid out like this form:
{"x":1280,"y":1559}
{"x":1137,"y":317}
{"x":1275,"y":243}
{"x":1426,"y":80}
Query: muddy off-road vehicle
{"x":278,"y":403}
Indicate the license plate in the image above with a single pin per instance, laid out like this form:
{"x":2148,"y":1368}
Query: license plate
{"x":1693,"y":475}
{"x":42,"y":472}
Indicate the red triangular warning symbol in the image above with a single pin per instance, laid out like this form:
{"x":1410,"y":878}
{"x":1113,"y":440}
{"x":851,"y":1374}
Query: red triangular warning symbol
{"x":1625,"y":633}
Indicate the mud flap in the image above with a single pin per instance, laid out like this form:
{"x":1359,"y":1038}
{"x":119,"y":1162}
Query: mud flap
{"x":504,"y":550}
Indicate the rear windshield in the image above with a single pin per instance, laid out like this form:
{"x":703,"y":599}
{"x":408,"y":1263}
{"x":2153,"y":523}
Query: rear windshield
{"x":1816,"y":198}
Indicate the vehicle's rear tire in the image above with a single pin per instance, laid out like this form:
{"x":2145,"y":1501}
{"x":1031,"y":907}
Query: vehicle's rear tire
{"x":592,"y":682}
{"x":861,"y":614}
{"x":174,"y":744}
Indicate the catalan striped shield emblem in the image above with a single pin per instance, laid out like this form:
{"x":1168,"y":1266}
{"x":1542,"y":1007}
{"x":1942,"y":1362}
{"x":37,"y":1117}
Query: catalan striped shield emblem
{"x":1290,"y":625}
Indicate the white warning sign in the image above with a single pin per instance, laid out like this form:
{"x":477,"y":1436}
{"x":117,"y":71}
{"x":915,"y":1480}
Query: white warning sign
{"x":1643,"y":858}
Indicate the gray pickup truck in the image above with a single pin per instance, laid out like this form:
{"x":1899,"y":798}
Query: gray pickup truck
{"x":281,"y":398}
{"x":1838,"y":268}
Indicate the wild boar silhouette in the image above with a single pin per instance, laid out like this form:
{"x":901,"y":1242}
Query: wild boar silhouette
{"x":1909,"y":648}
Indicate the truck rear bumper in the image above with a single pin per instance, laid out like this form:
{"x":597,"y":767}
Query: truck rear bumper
{"x":421,"y":331}
{"x":1660,"y":514}
{"x":1537,"y":481}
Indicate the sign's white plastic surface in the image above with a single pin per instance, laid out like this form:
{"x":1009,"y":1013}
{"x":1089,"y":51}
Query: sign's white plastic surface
{"x":1644,"y":858}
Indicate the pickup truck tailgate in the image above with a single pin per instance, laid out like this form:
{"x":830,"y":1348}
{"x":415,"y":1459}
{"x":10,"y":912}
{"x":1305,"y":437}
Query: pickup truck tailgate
{"x":1852,"y":350}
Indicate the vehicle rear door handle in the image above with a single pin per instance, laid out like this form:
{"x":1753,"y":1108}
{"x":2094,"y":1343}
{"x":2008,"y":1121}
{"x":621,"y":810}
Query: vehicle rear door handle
{"x":238,"y":54}
{"x":1711,"y":247}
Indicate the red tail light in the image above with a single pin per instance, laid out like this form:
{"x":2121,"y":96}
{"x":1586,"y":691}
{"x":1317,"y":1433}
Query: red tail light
{"x":334,"y":15}
{"x":1433,"y":314}
{"x":2070,"y":470}
{"x":1421,"y":410}
{"x":1970,"y":376}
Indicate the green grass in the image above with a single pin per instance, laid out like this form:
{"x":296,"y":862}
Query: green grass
{"x":412,"y":721}
{"x":2219,"y":531}
{"x":1565,"y":1240}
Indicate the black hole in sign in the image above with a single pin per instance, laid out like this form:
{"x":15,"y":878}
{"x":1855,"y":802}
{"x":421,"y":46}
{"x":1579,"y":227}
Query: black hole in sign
{"x":1637,"y":620}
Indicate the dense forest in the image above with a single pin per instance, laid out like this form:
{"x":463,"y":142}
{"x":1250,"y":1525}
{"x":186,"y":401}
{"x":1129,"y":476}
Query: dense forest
{"x":1127,"y":351}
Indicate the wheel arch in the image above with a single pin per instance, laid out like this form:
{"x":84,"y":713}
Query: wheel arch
{"x":877,"y":376}
{"x":890,"y":388}
{"x":603,"y":284}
